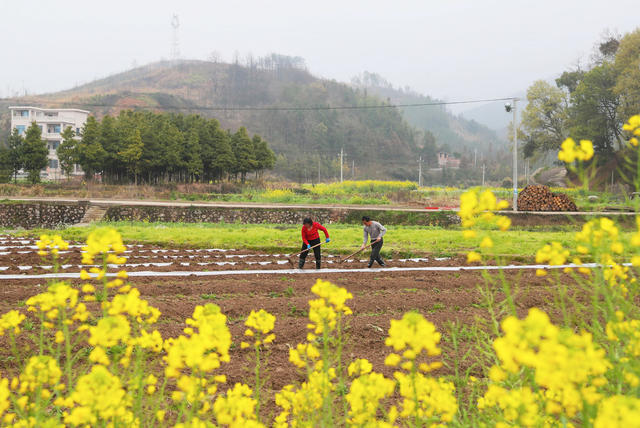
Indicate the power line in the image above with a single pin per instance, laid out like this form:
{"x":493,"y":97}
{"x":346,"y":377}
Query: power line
{"x":282,"y":108}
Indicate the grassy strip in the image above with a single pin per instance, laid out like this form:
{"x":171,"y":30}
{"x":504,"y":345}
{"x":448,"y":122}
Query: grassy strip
{"x":402,"y":240}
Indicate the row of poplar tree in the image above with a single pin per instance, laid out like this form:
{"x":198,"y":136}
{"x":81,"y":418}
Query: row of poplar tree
{"x":144,"y":147}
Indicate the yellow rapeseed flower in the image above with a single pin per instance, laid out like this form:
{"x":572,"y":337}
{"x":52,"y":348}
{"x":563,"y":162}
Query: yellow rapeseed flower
{"x":11,"y":321}
{"x":570,"y":151}
{"x":236,"y":408}
{"x":364,"y":396}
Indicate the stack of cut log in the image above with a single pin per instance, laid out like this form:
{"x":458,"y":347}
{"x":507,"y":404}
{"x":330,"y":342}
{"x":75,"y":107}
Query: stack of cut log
{"x":540,"y":198}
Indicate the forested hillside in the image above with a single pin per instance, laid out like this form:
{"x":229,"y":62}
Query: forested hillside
{"x":450,"y":132}
{"x":307,"y":142}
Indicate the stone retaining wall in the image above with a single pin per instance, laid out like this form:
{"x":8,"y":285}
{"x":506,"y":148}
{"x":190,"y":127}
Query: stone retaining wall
{"x":272,"y":215}
{"x":35,"y":214}
{"x":29,"y":215}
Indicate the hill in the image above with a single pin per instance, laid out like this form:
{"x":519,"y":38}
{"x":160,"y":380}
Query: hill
{"x":452,"y":132}
{"x":379,"y":141}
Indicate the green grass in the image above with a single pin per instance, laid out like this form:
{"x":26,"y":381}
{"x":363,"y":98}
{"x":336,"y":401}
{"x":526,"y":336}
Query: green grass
{"x":364,"y":192}
{"x":402,"y":240}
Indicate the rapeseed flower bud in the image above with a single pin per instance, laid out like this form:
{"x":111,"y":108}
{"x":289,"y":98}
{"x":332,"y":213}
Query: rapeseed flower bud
{"x":105,"y":241}
{"x":426,"y":398}
{"x":132,"y":305}
{"x":568,"y":366}
{"x":570,"y":151}
{"x":364,"y":398}
{"x":205,"y":348}
{"x":51,"y":244}
{"x":262,"y":322}
{"x":99,"y":396}
{"x":518,"y":406}
{"x":110,"y":331}
{"x":552,"y":254}
{"x":40,"y":371}
{"x":633,"y":128}
{"x":303,"y":354}
{"x":625,"y":332}
{"x":473,"y":257}
{"x":11,"y":321}
{"x":325,"y":311}
{"x":303,"y":403}
{"x":413,"y":333}
{"x":618,"y":411}
{"x":5,"y":395}
{"x":237,"y":408}
{"x":359,"y":367}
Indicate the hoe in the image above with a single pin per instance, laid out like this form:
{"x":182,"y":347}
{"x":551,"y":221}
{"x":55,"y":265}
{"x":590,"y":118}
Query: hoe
{"x":291,"y":256}
{"x":353,"y":254}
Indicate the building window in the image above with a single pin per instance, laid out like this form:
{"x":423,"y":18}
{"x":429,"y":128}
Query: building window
{"x":21,"y":113}
{"x":53,"y":163}
{"x":20,"y":129}
{"x":77,"y":131}
{"x":53,"y":129}
{"x":53,"y":145}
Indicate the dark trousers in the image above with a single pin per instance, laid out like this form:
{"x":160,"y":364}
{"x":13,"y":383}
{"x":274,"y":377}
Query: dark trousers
{"x":316,"y":252}
{"x":375,"y":253}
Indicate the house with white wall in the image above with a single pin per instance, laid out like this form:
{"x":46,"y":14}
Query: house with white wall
{"x":52,"y":123}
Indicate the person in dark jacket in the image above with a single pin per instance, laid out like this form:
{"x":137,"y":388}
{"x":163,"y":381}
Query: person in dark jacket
{"x":311,"y":238}
{"x":376,"y":231}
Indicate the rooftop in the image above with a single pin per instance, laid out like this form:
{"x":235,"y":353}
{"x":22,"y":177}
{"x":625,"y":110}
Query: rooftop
{"x":49,"y":109}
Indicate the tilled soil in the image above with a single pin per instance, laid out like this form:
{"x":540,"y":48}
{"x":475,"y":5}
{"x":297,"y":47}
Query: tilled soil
{"x":21,"y":257}
{"x":444,"y":298}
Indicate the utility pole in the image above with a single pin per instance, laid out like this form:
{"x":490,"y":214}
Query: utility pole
{"x":475,"y":158}
{"x":341,"y":158}
{"x":482,"y":175}
{"x":515,"y":155}
{"x":353,"y":169}
{"x":420,"y":172}
{"x":318,"y":169}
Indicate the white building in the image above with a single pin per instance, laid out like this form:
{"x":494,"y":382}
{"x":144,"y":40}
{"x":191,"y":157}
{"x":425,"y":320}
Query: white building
{"x":52,"y":123}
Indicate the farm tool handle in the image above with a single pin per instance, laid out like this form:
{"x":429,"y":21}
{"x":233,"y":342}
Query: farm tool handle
{"x":306,"y":249}
{"x":353,"y":254}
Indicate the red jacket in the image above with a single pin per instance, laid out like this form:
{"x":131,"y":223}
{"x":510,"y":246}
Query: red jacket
{"x":308,"y":235}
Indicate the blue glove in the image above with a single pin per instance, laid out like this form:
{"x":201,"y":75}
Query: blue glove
{"x":308,"y":246}
{"x":328,"y":240}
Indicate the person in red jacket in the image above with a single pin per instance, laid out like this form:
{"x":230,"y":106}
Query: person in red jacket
{"x":311,"y":238}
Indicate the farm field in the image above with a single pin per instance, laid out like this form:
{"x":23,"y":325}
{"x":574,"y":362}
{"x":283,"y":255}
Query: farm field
{"x":364,"y":192}
{"x":401,"y":241}
{"x":206,"y":289}
{"x":451,"y":300}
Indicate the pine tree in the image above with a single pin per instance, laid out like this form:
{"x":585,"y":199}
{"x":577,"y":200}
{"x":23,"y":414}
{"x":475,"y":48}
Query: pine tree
{"x":222,"y":157}
{"x":91,"y":154}
{"x":14,"y":156}
{"x":131,"y":154}
{"x":243,"y":150}
{"x":192,"y":158}
{"x":265,"y":158}
{"x":112,"y":138}
{"x":34,"y":152}
{"x":5,"y":165}
{"x":67,"y":151}
{"x":172,"y":151}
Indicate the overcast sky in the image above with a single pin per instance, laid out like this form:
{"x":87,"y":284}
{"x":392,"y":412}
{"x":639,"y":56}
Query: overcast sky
{"x":451,"y":49}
